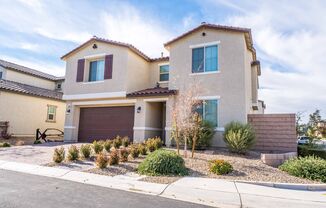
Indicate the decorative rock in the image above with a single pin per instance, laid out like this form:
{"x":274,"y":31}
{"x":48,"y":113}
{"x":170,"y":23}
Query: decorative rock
{"x":277,"y":159}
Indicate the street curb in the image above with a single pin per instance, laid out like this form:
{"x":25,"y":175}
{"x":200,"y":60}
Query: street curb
{"x":292,"y":186}
{"x":86,"y":178}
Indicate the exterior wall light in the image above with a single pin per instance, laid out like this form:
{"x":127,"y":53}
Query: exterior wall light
{"x":138,"y":109}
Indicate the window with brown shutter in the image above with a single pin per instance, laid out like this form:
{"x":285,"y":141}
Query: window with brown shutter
{"x":108,"y":66}
{"x":80,"y":70}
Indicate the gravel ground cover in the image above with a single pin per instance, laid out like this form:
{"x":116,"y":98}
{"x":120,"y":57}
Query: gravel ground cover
{"x":246,"y":167}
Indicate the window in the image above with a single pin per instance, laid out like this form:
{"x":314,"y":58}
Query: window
{"x":208,"y":110}
{"x":96,"y":70}
{"x":204,"y":59}
{"x":1,"y":74}
{"x":51,"y":113}
{"x":58,"y":86}
{"x":164,"y":73}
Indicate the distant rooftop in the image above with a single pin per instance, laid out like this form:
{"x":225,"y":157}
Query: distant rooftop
{"x":28,"y":89}
{"x":26,"y":70}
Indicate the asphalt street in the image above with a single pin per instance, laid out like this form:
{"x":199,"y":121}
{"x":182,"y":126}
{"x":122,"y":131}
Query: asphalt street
{"x":19,"y":190}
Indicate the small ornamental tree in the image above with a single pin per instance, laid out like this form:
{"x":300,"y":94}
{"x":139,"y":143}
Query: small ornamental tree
{"x":183,"y":114}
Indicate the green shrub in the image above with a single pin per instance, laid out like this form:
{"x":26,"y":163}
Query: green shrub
{"x":117,"y":142}
{"x":108,"y":144}
{"x":153,"y":144}
{"x":220,"y":167}
{"x":5,"y":144}
{"x":134,"y":151}
{"x":142,"y":149}
{"x":98,"y":146}
{"x":37,"y":142}
{"x":305,"y":150}
{"x":101,"y":160}
{"x":310,"y":167}
{"x":125,"y":141}
{"x":73,"y":153}
{"x":163,"y":162}
{"x":239,"y":137}
{"x":123,"y":154}
{"x":114,"y":157}
{"x":59,"y":155}
{"x":205,"y":136}
{"x":85,"y":150}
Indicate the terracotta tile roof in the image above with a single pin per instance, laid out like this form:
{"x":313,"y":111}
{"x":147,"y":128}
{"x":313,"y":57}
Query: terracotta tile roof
{"x":28,"y":89}
{"x":156,"y":91}
{"x":246,"y":31}
{"x":102,"y":40}
{"x":26,"y":70}
{"x":165,"y":58}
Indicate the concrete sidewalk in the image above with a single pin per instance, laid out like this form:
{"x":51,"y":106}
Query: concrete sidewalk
{"x":211,"y":192}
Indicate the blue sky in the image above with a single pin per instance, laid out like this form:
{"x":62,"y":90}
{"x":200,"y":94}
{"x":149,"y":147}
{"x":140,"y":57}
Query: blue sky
{"x":290,"y":36}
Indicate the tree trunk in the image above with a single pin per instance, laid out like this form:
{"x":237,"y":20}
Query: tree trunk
{"x":177,"y":140}
{"x":194,"y":139}
{"x":185,"y":148}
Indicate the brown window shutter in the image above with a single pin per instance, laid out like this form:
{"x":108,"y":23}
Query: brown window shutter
{"x":80,"y":70}
{"x":108,"y":66}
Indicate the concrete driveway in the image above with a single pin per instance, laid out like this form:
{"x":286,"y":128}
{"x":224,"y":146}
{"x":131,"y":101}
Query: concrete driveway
{"x":40,"y":154}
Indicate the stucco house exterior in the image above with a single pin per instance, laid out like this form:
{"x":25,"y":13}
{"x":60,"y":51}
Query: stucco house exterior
{"x":112,"y":88}
{"x":30,"y":99}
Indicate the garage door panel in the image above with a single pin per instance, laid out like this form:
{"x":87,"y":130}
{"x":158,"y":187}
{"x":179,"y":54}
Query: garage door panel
{"x":105,"y":123}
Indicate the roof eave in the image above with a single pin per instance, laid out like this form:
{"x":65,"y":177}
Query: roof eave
{"x":129,"y":46}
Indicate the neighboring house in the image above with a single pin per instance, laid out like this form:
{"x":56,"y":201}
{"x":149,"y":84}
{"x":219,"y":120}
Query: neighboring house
{"x":112,"y":88}
{"x":30,"y":99}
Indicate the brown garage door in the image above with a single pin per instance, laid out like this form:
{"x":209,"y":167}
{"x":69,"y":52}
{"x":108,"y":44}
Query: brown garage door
{"x":105,"y":123}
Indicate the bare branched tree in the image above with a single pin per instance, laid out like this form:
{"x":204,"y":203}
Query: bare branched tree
{"x":183,"y":114}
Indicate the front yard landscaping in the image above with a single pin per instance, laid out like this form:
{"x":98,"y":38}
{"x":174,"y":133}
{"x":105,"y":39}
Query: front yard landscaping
{"x":244,"y":167}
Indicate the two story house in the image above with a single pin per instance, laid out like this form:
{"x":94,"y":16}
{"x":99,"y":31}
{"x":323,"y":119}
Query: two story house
{"x":29,"y":99}
{"x":112,"y":88}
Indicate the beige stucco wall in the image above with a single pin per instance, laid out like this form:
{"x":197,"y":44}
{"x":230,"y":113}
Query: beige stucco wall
{"x":248,"y":81}
{"x":138,"y":75}
{"x":232,"y":82}
{"x":254,"y":84}
{"x":27,"y":113}
{"x":118,"y":83}
{"x":155,"y":73}
{"x":29,"y":80}
{"x":228,"y":83}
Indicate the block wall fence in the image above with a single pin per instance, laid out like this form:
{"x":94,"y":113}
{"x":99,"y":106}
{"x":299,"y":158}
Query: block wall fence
{"x":274,"y":132}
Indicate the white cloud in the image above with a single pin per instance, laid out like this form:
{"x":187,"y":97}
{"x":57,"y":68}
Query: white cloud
{"x":51,"y":19}
{"x":127,"y":24}
{"x":39,"y":65}
{"x":29,"y":46}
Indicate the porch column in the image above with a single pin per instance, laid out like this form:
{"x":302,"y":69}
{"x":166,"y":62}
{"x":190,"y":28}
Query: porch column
{"x":168,"y":123}
{"x":139,"y":122}
{"x":71,"y":123}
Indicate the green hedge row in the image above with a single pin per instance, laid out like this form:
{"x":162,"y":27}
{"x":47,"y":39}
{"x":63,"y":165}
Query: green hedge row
{"x":305,"y":151}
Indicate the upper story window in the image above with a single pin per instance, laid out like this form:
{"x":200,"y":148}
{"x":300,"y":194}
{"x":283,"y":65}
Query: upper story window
{"x":205,"y":59}
{"x":164,"y":73}
{"x":96,"y":70}
{"x":208,"y":109}
{"x":1,"y":74}
{"x":51,"y":113}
